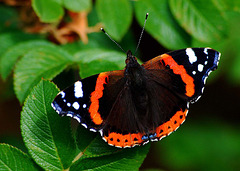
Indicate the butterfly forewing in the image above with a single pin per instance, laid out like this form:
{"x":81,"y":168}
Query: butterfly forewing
{"x":198,"y":63}
{"x":82,"y":100}
{"x":193,"y":65}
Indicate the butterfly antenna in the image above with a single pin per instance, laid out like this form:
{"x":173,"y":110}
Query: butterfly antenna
{"x":141,"y":34}
{"x":113,"y":40}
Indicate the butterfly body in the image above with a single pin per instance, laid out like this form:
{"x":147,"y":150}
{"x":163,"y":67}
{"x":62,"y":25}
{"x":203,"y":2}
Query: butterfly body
{"x":141,"y":103}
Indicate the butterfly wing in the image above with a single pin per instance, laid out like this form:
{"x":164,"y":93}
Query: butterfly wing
{"x":82,"y":100}
{"x":193,"y":65}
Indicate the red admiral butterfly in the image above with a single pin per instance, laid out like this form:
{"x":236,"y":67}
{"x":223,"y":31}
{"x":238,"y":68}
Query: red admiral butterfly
{"x":141,"y":103}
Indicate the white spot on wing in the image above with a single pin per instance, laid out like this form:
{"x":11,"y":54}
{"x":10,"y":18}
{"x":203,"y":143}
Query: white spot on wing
{"x":146,"y":142}
{"x":84,"y":125}
{"x":53,"y":106}
{"x":84,"y":106}
{"x":104,"y":139}
{"x":191,"y":55}
{"x":205,"y":63}
{"x":78,"y":89}
{"x":101,"y":132}
{"x":162,"y":137}
{"x":204,"y":81}
{"x":63,"y":94}
{"x":68,"y":104}
{"x":194,"y":72}
{"x":209,"y":73}
{"x":135,"y":145}
{"x":93,"y":130}
{"x":200,"y":67}
{"x":155,"y":139}
{"x":219,"y":54}
{"x":195,"y":100}
{"x":76,"y":105}
{"x":185,"y":116}
{"x":77,"y":118}
{"x":205,"y":51}
{"x":69,"y":115}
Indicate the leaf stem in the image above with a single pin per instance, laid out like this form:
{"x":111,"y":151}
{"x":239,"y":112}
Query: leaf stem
{"x":77,"y":157}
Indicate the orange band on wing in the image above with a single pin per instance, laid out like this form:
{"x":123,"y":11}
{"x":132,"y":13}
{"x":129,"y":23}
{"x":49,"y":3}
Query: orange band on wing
{"x":171,"y":125}
{"x":95,"y":96}
{"x":180,"y":70}
{"x":128,"y":140}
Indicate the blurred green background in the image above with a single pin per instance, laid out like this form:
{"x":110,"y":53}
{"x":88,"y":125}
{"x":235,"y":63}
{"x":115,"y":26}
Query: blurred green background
{"x":209,"y":139}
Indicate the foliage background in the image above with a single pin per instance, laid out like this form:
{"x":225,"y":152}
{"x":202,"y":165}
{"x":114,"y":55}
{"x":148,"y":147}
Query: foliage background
{"x":39,"y":42}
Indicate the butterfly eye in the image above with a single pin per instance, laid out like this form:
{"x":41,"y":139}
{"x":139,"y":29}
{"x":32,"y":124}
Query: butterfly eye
{"x":167,"y":66}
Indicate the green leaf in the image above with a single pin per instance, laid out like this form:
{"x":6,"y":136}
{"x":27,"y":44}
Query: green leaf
{"x":95,"y":40}
{"x":43,"y":62}
{"x":60,"y":2}
{"x":161,"y":24}
{"x":97,"y":155}
{"x":12,"y":158}
{"x":92,"y":17}
{"x":231,"y":11}
{"x":78,"y":5}
{"x":91,"y":144}
{"x":116,"y":16}
{"x":101,"y":41}
{"x":48,"y":11}
{"x":47,"y":136}
{"x":98,"y":60}
{"x":98,"y":147}
{"x":10,"y":57}
{"x":127,"y":159}
{"x":204,"y":22}
{"x":11,"y":38}
{"x":84,"y":137}
{"x":97,"y":66}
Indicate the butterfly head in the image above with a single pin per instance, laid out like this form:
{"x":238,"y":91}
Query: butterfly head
{"x":131,"y":60}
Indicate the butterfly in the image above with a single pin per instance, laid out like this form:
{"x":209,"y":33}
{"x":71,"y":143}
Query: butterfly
{"x":140,"y":103}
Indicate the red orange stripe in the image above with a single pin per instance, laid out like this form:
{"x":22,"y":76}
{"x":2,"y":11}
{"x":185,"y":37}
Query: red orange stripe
{"x":171,"y":125}
{"x":95,"y":96}
{"x":128,"y":140}
{"x":180,"y":70}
